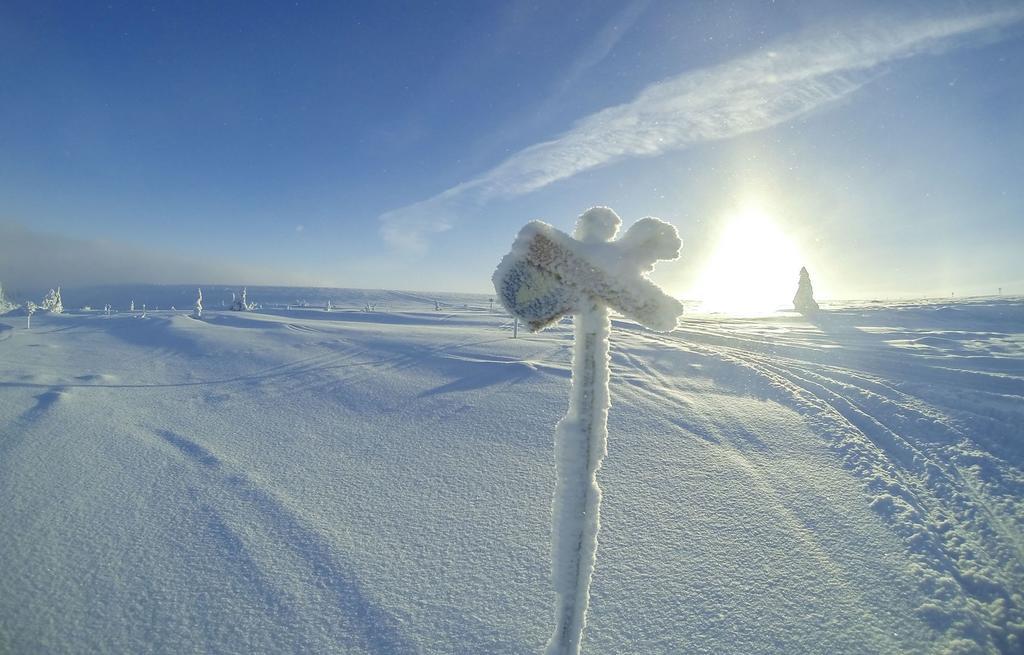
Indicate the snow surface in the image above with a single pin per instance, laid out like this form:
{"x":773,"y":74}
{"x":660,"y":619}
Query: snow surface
{"x":367,"y":482}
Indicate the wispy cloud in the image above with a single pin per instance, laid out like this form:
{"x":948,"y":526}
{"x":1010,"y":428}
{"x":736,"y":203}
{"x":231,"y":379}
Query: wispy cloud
{"x":780,"y":82}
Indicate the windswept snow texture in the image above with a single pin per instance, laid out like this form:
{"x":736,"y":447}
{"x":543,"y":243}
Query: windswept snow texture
{"x":380,"y":482}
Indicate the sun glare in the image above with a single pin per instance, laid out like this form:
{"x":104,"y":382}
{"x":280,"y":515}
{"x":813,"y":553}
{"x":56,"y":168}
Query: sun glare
{"x":753,"y":269}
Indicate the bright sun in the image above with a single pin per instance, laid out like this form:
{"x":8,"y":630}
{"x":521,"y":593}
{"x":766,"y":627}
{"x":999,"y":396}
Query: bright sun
{"x":754,"y":268}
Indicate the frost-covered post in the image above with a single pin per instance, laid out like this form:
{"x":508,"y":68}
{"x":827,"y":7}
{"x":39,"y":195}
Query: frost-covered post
{"x":30,"y":308}
{"x":547,"y":275}
{"x":131,"y":306}
{"x":197,"y":311}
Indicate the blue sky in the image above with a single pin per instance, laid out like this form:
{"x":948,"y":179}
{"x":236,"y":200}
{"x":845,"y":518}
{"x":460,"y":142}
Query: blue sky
{"x":402,"y":145}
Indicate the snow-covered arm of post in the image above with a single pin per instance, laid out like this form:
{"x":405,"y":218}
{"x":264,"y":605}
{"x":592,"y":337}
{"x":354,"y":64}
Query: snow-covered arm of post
{"x":547,"y":275}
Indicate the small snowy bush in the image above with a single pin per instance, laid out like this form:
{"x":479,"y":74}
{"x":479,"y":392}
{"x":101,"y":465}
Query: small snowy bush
{"x":240,"y":303}
{"x":5,"y":305}
{"x":52,"y":302}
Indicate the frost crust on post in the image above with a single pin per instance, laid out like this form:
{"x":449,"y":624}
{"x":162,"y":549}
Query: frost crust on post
{"x":197,"y":311}
{"x":581,"y":443}
{"x":548,"y":274}
{"x":545,"y":276}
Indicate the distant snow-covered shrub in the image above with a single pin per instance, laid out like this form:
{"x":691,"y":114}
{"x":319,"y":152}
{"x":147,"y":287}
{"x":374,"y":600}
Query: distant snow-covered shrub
{"x":52,"y":302}
{"x":240,"y":303}
{"x":5,"y":305}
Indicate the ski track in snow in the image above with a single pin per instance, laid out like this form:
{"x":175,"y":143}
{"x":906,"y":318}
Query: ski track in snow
{"x":380,"y":482}
{"x":957,"y":506}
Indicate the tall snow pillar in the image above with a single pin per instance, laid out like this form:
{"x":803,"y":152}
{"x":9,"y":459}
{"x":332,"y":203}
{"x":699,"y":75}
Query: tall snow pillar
{"x":547,"y":275}
{"x":804,"y":301}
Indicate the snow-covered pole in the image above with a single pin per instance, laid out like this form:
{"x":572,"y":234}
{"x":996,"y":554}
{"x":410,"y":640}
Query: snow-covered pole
{"x":581,"y":442}
{"x":30,"y":308}
{"x":547,"y":275}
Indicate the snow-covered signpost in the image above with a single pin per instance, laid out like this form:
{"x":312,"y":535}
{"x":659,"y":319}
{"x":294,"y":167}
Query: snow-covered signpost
{"x":547,"y":275}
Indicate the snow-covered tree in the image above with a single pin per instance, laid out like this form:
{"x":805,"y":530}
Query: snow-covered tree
{"x":197,"y":311}
{"x":804,"y":301}
{"x":52,"y":302}
{"x":131,"y":306}
{"x":30,"y":308}
{"x":241,"y":303}
{"x":5,"y":305}
{"x":328,"y":307}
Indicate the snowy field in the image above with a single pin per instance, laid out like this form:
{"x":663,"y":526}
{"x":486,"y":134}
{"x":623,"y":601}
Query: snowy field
{"x":293,"y":480}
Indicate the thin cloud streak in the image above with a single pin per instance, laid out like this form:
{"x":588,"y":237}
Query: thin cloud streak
{"x":774,"y":85}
